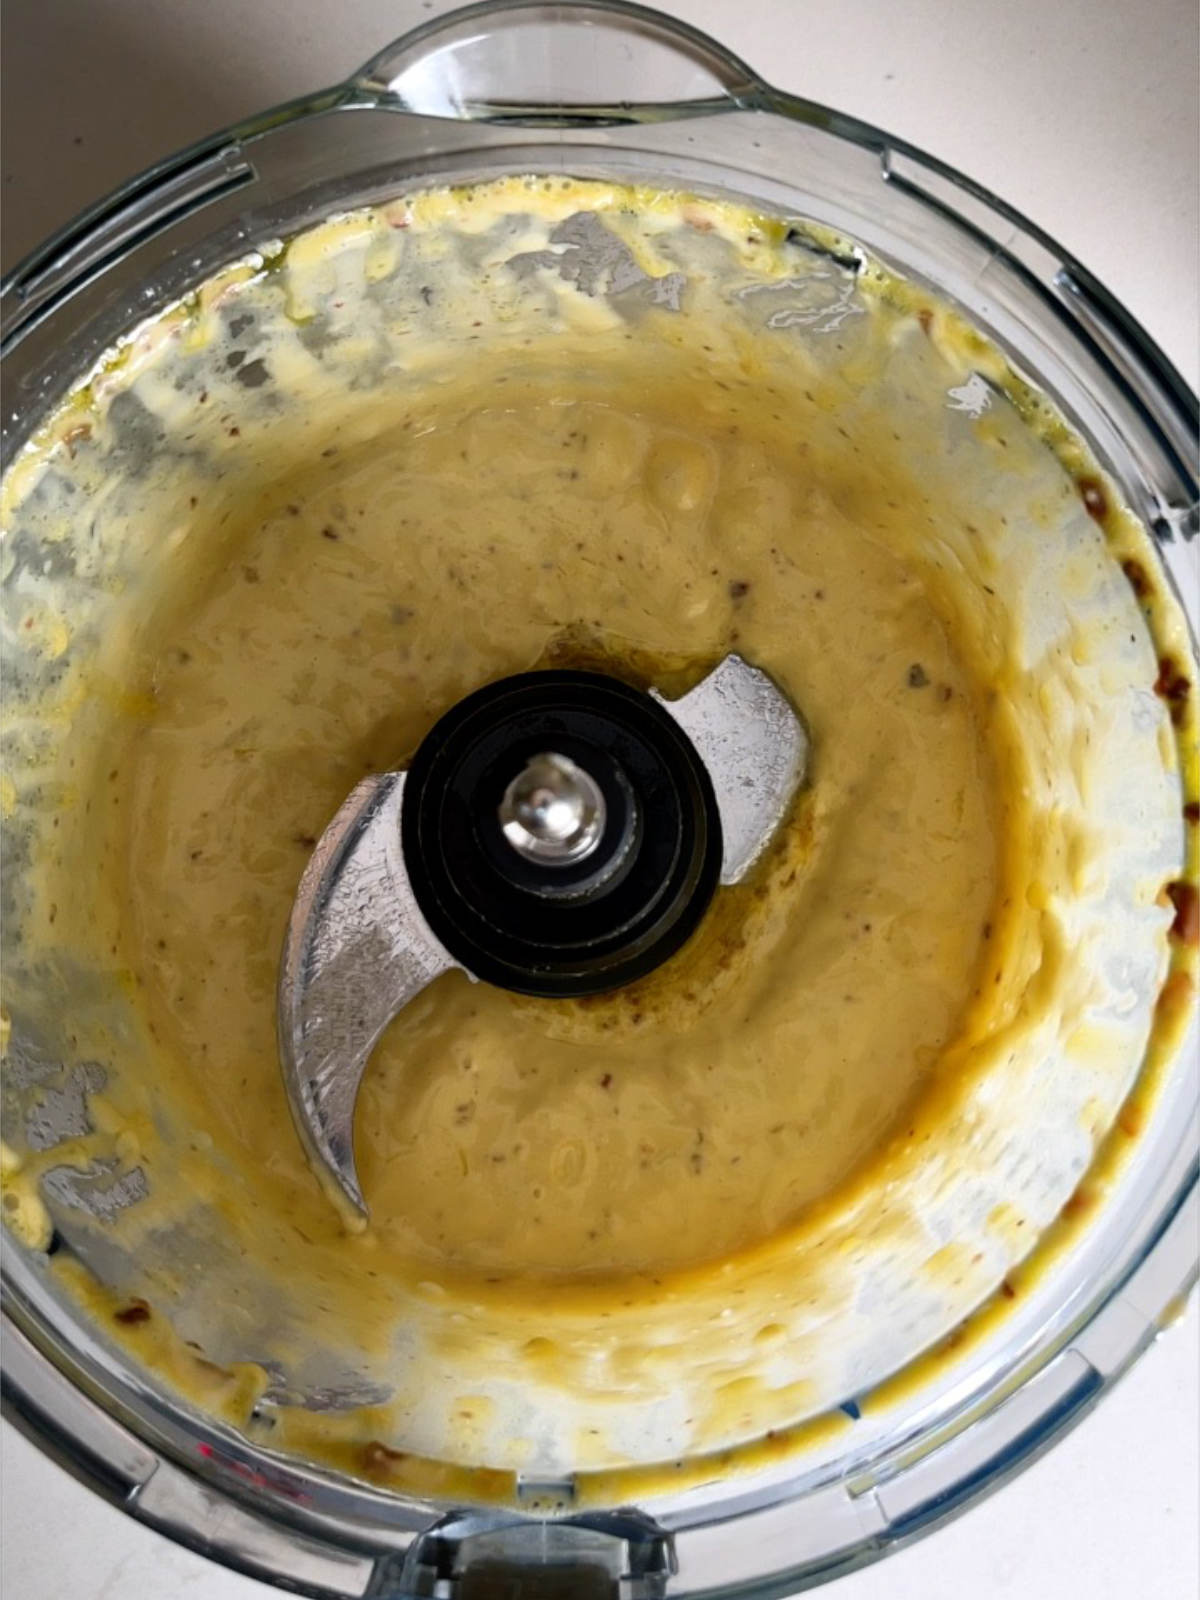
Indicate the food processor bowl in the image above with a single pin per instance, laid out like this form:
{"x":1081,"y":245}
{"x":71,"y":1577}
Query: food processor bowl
{"x":916,"y":1419}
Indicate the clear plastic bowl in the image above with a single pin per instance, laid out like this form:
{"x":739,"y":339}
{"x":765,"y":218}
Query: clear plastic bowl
{"x":609,"y":90}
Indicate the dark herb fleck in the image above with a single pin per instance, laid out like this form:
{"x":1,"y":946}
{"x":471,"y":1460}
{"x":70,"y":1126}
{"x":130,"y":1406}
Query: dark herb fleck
{"x":253,"y":375}
{"x":1136,"y":573}
{"x":1095,"y":502}
{"x":1186,"y":900}
{"x":1172,"y":686}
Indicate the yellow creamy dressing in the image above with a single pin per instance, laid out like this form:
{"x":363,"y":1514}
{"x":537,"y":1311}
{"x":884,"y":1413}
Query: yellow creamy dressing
{"x":321,"y":508}
{"x":501,"y":528}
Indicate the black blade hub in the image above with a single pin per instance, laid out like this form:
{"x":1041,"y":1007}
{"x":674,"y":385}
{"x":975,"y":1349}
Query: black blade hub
{"x":555,"y":927}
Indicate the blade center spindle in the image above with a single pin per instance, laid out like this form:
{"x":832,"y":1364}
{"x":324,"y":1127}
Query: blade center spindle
{"x":553,"y":811}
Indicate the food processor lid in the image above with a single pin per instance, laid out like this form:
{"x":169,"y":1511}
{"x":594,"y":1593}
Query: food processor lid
{"x":558,"y":834}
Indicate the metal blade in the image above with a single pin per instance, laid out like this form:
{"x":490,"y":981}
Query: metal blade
{"x":358,"y":947}
{"x":755,"y":748}
{"x":357,"y":950}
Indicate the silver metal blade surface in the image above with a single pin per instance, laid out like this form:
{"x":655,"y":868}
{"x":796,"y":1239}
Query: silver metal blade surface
{"x":755,"y":748}
{"x":357,"y":950}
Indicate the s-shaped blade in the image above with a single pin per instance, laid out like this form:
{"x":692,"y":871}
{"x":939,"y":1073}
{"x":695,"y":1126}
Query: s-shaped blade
{"x":359,"y":948}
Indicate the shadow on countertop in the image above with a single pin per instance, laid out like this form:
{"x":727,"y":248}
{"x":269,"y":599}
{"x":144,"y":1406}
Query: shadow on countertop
{"x":94,"y":91}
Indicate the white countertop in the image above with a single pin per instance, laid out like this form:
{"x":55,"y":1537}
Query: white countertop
{"x":1083,"y":114}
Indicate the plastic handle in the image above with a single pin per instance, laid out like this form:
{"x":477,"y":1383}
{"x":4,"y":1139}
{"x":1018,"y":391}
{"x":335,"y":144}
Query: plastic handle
{"x":525,"y":61}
